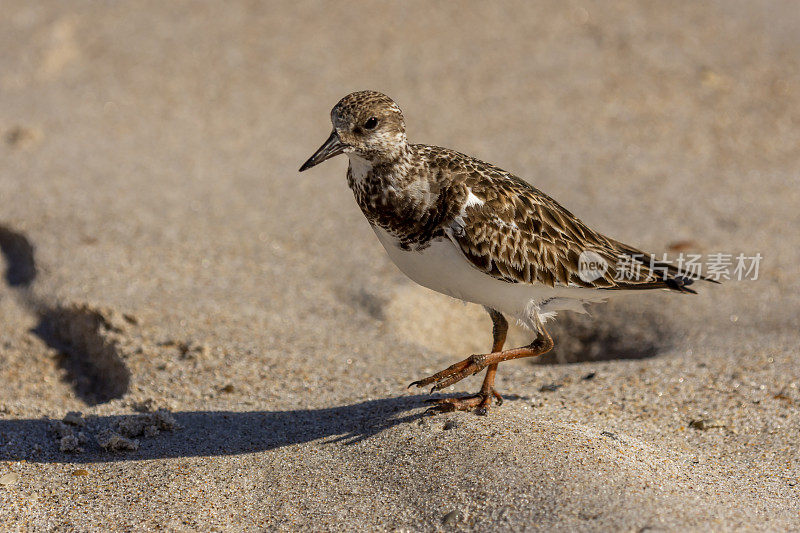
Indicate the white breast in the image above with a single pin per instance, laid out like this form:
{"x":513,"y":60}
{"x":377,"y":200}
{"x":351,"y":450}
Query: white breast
{"x":439,"y":267}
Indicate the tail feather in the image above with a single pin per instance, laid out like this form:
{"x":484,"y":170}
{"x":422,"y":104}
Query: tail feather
{"x":681,"y":284}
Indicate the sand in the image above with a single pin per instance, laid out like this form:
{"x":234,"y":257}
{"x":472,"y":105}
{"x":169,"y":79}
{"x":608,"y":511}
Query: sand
{"x":237,"y":343}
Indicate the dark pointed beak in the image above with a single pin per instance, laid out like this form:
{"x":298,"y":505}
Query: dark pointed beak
{"x":332,"y":147}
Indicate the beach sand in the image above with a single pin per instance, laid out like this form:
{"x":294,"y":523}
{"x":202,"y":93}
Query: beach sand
{"x":160,"y":251}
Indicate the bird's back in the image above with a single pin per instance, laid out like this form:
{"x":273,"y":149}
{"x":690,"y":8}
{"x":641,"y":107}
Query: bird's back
{"x":511,"y":230}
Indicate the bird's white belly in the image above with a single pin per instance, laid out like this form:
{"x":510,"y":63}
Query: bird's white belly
{"x":442,"y":267}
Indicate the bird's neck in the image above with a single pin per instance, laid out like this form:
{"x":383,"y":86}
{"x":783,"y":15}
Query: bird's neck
{"x":382,"y":170}
{"x":388,"y":191}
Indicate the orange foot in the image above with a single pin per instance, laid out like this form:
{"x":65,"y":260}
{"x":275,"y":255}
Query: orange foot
{"x":479,"y":402}
{"x":454,"y":373}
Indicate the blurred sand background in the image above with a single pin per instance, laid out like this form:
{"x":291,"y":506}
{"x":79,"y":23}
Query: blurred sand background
{"x":160,"y":250}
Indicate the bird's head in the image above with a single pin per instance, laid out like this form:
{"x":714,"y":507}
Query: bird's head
{"x":366,"y":124}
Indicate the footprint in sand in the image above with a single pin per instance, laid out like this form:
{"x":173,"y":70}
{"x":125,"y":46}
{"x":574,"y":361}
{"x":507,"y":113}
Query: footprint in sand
{"x":89,"y":338}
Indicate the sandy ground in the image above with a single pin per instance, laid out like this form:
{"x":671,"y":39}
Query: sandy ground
{"x":160,"y":251}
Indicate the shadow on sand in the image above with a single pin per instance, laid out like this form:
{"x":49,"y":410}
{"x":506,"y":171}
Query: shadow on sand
{"x":208,"y":433}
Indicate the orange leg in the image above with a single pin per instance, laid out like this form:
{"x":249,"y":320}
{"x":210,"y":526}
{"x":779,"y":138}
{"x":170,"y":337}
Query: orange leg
{"x":475,"y":363}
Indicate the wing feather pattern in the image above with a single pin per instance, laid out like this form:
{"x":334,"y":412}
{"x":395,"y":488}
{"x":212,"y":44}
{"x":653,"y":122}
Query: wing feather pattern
{"x":518,"y":234}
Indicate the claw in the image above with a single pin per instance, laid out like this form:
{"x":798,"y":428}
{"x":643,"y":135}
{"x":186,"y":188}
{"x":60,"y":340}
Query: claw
{"x":438,"y":409}
{"x":497,"y":397}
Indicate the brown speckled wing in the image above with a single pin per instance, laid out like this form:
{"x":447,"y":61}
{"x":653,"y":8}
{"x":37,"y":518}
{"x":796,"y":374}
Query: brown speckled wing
{"x":521,"y":235}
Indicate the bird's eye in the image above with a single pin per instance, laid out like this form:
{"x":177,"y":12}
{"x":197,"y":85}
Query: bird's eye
{"x":371,"y":123}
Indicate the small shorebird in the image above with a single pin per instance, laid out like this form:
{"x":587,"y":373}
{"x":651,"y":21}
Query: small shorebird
{"x":475,"y":232}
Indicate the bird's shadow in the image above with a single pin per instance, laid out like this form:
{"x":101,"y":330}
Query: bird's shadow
{"x":211,"y":433}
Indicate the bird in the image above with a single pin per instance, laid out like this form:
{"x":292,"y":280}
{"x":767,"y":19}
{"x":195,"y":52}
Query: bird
{"x":477,"y":233}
